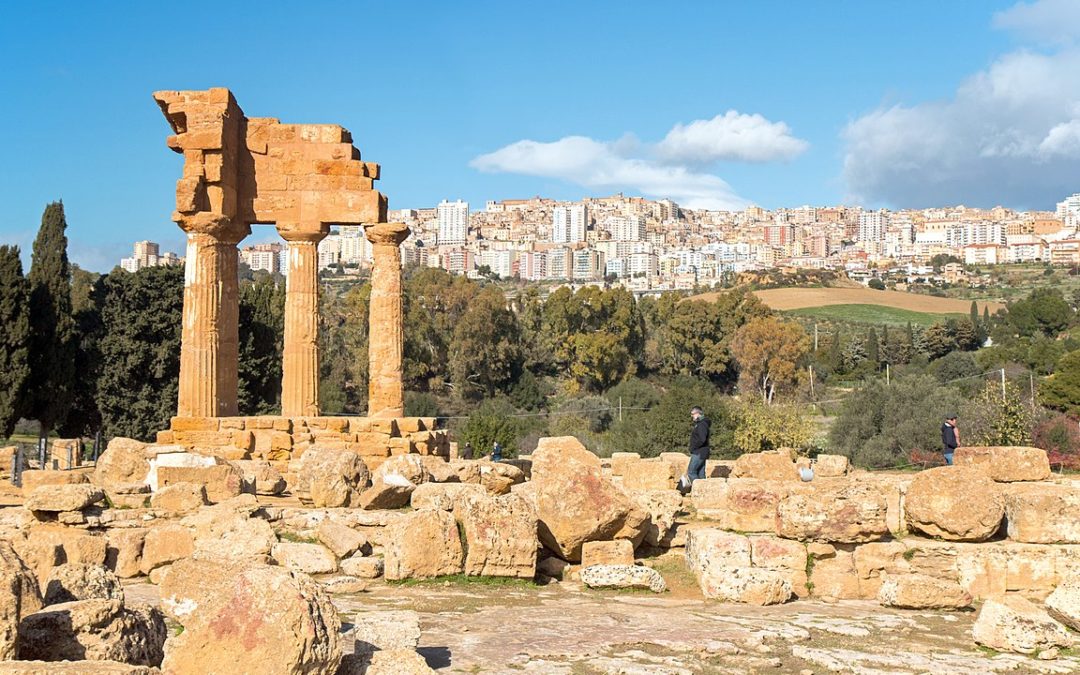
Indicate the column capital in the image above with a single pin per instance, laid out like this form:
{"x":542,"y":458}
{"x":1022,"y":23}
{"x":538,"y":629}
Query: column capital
{"x":215,"y":225}
{"x":300,"y":233}
{"x":387,"y":233}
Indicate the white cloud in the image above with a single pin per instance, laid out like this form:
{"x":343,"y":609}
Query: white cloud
{"x":1043,"y":21}
{"x":629,"y":164}
{"x":1010,"y":135}
{"x":731,"y":136}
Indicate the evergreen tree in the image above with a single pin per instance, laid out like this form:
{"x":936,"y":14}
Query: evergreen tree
{"x":84,"y":418}
{"x":14,"y":338}
{"x":52,"y":326}
{"x":262,"y":328}
{"x":873,"y":354}
{"x":141,"y":316}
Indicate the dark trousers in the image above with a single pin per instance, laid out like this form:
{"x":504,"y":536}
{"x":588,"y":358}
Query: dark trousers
{"x":696,"y":469}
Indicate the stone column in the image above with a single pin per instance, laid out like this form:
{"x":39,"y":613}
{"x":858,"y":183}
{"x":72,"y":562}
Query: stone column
{"x":300,"y":354}
{"x":386,"y":393}
{"x":209,"y":347}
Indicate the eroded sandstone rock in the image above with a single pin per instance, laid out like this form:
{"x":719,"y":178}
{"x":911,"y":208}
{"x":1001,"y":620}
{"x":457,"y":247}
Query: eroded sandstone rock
{"x":81,"y":581}
{"x":1064,"y":603}
{"x":97,"y":630}
{"x":957,"y":503}
{"x":919,"y":591}
{"x":124,"y":462}
{"x":772,"y":465}
{"x":56,"y":498}
{"x":270,"y":619}
{"x":423,"y":544}
{"x":1043,"y":513}
{"x":307,"y":558}
{"x":19,"y":597}
{"x":615,"y":552}
{"x":845,"y":513}
{"x":1012,"y":623}
{"x":1006,"y":464}
{"x":500,"y":535}
{"x":331,"y":477}
{"x":623,"y":576}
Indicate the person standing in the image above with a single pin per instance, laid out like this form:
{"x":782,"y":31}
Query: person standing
{"x":496,"y":452}
{"x":467,"y":451}
{"x":699,"y":445}
{"x":950,"y":437}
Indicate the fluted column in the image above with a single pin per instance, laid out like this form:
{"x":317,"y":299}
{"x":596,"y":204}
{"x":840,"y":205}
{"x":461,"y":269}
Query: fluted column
{"x":386,"y":393}
{"x":209,"y":347}
{"x":300,"y":355}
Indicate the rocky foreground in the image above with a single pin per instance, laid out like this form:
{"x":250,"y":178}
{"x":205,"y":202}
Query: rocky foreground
{"x":163,"y":559}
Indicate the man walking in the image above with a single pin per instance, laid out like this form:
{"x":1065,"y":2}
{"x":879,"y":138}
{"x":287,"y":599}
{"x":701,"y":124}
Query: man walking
{"x":950,"y":437}
{"x":699,"y":445}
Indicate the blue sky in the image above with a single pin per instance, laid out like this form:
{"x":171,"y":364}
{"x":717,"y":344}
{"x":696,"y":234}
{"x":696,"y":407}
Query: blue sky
{"x":900,"y":104}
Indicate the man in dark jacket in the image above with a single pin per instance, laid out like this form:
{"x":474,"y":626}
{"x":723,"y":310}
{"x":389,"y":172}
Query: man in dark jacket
{"x":699,"y":444}
{"x":950,"y":437}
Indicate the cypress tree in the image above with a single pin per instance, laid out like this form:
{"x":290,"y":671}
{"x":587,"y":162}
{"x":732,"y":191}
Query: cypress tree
{"x":872,"y":353}
{"x":52,"y":327}
{"x":14,"y":339}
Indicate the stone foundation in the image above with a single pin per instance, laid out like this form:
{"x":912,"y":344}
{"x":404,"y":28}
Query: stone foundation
{"x":282,"y":439}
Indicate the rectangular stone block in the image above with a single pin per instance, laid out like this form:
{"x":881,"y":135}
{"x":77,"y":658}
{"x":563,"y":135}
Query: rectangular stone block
{"x":222,"y":481}
{"x":165,"y":437}
{"x":741,"y":504}
{"x":649,"y":474}
{"x":282,"y":424}
{"x":678,"y":461}
{"x":194,"y":424}
{"x":782,"y":555}
{"x":202,"y":438}
{"x":409,"y":424}
{"x":244,"y":440}
{"x":1043,"y":513}
{"x":620,"y":460}
{"x":384,"y":426}
{"x":401,"y":446}
{"x":259,"y":423}
{"x":232,"y":423}
{"x":617,"y":552}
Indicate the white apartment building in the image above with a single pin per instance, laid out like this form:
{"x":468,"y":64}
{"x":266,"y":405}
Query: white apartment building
{"x":627,"y":228}
{"x":569,"y":223}
{"x":1026,"y":248}
{"x":872,"y":225}
{"x":453,"y":223}
{"x":148,"y":254}
{"x":560,"y":263}
{"x":984,"y":254}
{"x":1068,"y":210}
{"x":588,"y":264}
{"x":329,"y":251}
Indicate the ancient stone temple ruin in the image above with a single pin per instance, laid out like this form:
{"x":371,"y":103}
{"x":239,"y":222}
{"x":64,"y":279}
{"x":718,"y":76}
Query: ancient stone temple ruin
{"x":302,"y":178}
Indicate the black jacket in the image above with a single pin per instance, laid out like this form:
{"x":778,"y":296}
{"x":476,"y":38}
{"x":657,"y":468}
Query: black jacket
{"x":699,"y":437}
{"x":948,"y":437}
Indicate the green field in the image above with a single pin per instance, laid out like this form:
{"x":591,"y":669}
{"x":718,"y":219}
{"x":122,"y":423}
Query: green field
{"x":871,"y":314}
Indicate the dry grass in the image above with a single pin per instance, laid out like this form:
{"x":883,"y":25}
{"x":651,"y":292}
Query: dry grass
{"x":800,"y":298}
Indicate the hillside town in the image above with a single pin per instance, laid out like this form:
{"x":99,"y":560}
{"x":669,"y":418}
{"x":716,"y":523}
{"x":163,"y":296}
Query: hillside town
{"x":656,"y":245}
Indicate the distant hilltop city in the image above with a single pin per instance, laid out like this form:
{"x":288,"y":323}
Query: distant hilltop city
{"x":656,"y":245}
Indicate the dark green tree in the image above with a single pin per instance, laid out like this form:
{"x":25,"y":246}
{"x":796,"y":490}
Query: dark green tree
{"x":485,"y":351}
{"x":141,"y":316}
{"x":14,"y":338}
{"x":1044,"y":311}
{"x":52,"y":326}
{"x":665,"y":427}
{"x":1061,"y":391}
{"x":84,"y":417}
{"x":262,"y":326}
{"x":873,"y":352}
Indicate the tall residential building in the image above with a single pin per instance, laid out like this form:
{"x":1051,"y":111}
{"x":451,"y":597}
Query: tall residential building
{"x":628,"y":228}
{"x":872,"y":225}
{"x":453,"y":223}
{"x":264,"y":257}
{"x":148,"y":254}
{"x":569,"y":223}
{"x":1068,"y":210}
{"x":780,"y":234}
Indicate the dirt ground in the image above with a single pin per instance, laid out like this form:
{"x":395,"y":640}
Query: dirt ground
{"x":565,"y":629}
{"x":799,"y":298}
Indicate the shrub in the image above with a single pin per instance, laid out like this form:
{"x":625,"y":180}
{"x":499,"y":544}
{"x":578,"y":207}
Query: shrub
{"x":761,"y":427}
{"x":1060,"y":437}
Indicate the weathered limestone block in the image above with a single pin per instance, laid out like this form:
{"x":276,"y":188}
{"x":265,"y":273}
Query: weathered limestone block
{"x":228,"y":530}
{"x":617,"y":575}
{"x":784,"y":556}
{"x":81,"y":581}
{"x":20,"y":596}
{"x":363,"y":567}
{"x":957,"y":503}
{"x":1006,"y":464}
{"x":392,"y":491}
{"x":845,"y":513}
{"x":679,"y":461}
{"x":621,"y":460}
{"x":1064,"y":603}
{"x":96,"y":630}
{"x":422,"y":545}
{"x":123,"y":462}
{"x":876,"y":561}
{"x":307,"y":558}
{"x":575,"y":501}
{"x":385,"y":629}
{"x":179,"y":498}
{"x":386,"y":662}
{"x":439,"y":470}
{"x":500,"y":536}
{"x":742,"y":504}
{"x":662,"y":507}
{"x":445,"y":496}
{"x":835,"y":576}
{"x":409,"y":467}
{"x":173,"y":456}
{"x":1043,"y":513}
{"x":830,"y":466}
{"x":649,"y":474}
{"x":74,"y":668}
{"x":918,"y":591}
{"x":1011,"y":623}
{"x":123,"y":552}
{"x":772,"y":465}
{"x":615,"y":552}
{"x":266,"y":479}
{"x":166,"y":544}
{"x":55,"y":498}
{"x":222,"y":481}
{"x":270,"y":619}
{"x":331,"y":477}
{"x":35,"y":478}
{"x":340,"y":538}
{"x":721,"y":561}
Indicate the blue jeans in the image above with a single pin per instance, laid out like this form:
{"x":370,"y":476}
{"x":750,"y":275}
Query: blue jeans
{"x":696,"y":468}
{"x":948,"y":457}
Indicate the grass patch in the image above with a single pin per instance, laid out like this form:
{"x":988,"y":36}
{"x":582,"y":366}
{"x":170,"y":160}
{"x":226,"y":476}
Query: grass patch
{"x":810,"y":560}
{"x":465,"y":580}
{"x":909,"y":554}
{"x":294,"y":538}
{"x":988,"y":651}
{"x":871,"y":314}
